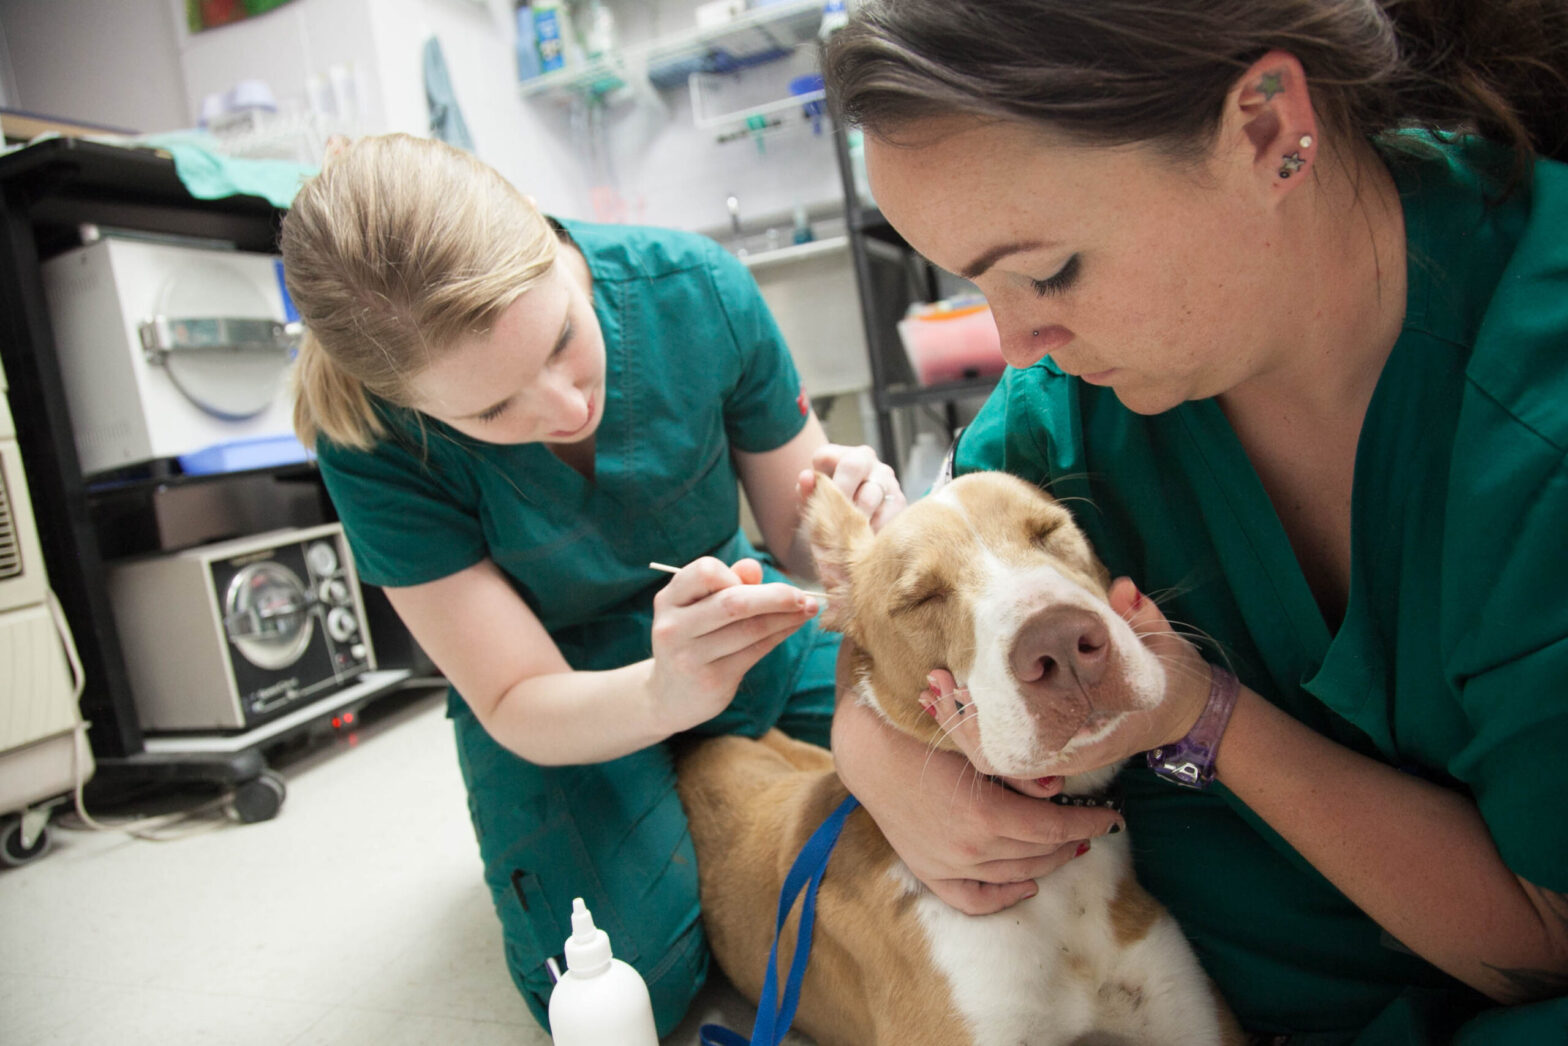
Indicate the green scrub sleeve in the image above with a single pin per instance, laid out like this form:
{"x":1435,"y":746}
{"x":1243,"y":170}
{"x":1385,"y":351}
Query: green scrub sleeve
{"x":767,"y":406}
{"x":405,"y":522}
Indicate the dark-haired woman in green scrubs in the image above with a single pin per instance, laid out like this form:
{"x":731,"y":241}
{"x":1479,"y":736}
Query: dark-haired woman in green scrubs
{"x":514,"y":417}
{"x":1441,"y":661}
{"x":1302,"y":376}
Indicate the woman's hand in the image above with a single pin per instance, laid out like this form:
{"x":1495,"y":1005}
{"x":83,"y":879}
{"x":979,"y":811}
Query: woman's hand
{"x":711,"y":624}
{"x":977,"y":844}
{"x":868,"y":482}
{"x":1187,"y":674}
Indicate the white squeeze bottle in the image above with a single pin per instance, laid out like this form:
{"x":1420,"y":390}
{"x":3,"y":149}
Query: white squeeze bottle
{"x":600,"y":1000}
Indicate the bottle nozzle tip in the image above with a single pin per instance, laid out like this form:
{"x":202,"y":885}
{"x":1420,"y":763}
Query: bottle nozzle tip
{"x":582,"y":920}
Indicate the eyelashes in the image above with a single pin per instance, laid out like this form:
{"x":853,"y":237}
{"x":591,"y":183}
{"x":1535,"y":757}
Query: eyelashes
{"x":562,"y":344}
{"x":1065,"y":277}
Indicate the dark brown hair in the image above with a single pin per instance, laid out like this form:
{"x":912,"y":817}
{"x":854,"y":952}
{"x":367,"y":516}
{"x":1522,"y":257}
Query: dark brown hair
{"x":1116,"y":72}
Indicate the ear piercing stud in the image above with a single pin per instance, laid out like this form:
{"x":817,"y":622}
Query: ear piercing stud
{"x":1292,"y":162}
{"x":1034,"y":334}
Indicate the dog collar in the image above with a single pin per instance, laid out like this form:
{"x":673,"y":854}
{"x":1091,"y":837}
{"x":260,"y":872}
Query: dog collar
{"x":1110,"y":801}
{"x":1106,"y":802}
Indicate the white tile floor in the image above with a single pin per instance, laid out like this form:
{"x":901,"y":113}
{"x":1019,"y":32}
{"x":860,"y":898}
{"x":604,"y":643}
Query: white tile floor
{"x":357,"y":916}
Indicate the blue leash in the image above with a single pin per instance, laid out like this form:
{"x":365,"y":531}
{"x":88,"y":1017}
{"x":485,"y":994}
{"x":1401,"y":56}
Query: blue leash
{"x":774,"y":1019}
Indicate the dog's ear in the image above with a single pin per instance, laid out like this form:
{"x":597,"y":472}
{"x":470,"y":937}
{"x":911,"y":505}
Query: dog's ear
{"x":838,"y":532}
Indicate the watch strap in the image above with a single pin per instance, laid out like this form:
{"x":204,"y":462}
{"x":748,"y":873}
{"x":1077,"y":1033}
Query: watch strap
{"x":1190,"y":761}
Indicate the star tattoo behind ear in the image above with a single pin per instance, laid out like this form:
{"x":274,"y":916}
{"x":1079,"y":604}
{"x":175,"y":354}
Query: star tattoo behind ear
{"x":1271,"y":85}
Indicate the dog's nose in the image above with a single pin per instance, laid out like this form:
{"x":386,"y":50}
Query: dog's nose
{"x":1062,"y":648}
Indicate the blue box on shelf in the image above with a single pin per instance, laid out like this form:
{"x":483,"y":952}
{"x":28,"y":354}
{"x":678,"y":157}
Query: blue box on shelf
{"x":240,"y":455}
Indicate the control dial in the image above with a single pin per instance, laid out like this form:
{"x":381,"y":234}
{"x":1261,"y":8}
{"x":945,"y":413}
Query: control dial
{"x":341,"y":624}
{"x":323,"y":558}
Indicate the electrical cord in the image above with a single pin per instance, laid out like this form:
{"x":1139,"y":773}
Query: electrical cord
{"x":148,"y":828}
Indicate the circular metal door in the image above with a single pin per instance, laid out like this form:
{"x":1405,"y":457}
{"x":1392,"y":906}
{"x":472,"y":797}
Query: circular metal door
{"x":267,"y":614}
{"x":216,"y":336}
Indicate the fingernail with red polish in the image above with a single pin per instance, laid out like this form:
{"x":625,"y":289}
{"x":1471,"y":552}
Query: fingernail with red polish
{"x":1045,"y":782}
{"x":1137,"y":599}
{"x":931,"y":711}
{"x":1083,"y":848}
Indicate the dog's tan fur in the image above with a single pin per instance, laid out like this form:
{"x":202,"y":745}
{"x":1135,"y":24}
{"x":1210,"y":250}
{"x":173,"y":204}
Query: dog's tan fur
{"x":752,"y":806}
{"x":907,"y":601}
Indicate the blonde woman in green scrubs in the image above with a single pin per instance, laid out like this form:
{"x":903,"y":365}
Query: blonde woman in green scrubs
{"x":1305,"y":376}
{"x":514,"y":417}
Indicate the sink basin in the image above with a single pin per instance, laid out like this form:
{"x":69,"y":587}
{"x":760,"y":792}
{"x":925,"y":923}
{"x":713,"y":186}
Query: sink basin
{"x":811,"y":290}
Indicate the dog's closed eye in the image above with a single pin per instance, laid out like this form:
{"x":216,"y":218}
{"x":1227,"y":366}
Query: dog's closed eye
{"x":923,"y":595}
{"x":1046,"y":528}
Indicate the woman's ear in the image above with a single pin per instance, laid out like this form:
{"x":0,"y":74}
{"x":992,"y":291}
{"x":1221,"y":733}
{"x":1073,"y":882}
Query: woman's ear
{"x":1269,"y":118}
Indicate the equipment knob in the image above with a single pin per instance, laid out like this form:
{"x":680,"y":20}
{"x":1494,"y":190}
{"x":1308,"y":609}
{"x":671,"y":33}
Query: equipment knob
{"x":341,"y":623}
{"x":323,"y":557}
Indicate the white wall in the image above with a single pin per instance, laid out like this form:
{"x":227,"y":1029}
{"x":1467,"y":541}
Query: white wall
{"x":477,"y":41}
{"x":133,"y":63}
{"x":112,"y":62}
{"x":282,"y":47}
{"x":383,"y":41}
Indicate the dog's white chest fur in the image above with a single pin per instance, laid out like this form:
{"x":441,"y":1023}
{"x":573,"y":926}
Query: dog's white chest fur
{"x":1051,"y":970}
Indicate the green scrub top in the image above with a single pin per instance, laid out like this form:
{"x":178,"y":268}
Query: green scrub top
{"x":695,"y":369}
{"x":1452,"y":654}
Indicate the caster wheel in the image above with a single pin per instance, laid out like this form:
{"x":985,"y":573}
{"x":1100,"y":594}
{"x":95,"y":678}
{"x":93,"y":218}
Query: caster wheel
{"x":258,"y":799}
{"x":14,"y":848}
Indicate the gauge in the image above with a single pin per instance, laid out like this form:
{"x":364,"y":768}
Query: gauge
{"x":267,"y":615}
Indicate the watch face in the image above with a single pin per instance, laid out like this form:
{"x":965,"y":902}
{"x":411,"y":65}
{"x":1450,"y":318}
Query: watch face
{"x":1177,"y":766}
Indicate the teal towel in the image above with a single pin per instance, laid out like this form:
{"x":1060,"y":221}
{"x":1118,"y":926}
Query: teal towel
{"x":209,"y":175}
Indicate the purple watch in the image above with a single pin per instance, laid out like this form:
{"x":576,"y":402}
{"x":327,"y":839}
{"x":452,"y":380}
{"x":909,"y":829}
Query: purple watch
{"x":1190,"y":761}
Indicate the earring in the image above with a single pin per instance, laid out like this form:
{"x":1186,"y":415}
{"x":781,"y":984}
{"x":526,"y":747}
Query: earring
{"x":1034,"y":334}
{"x":1290,"y":164}
{"x":1305,"y":142}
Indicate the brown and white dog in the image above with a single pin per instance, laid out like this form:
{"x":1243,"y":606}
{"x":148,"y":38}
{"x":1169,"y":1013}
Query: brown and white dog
{"x":990,"y":579}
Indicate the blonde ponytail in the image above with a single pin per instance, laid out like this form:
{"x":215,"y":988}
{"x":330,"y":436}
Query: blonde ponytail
{"x":330,"y":403}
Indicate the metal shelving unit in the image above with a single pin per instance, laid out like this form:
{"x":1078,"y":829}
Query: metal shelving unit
{"x":760,"y":35}
{"x":48,"y":191}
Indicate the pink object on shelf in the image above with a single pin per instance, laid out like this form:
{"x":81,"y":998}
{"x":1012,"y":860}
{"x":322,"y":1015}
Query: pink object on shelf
{"x":952,"y":340}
